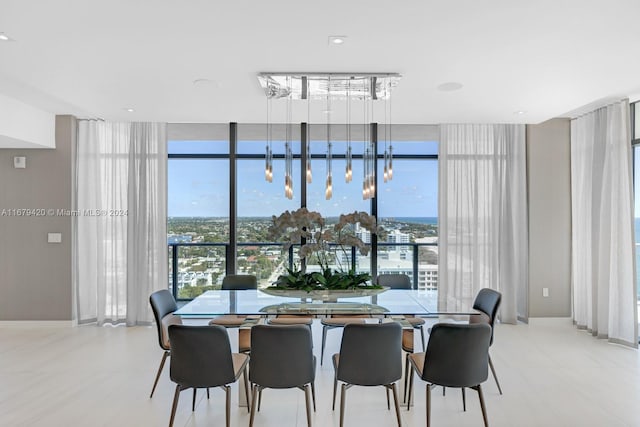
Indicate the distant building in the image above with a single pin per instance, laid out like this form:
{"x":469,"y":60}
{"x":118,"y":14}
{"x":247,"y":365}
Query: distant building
{"x":179,"y":238}
{"x":396,"y":236}
{"x":428,"y":277}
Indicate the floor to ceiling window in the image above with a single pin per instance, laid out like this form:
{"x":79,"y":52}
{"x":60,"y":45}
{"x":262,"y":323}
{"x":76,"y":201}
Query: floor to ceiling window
{"x":198,"y":207}
{"x":635,"y":135}
{"x":203,"y":197}
{"x":408,"y":209}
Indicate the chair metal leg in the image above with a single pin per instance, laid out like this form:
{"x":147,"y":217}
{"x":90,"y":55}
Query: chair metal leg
{"x":428,"y":405}
{"x":193,"y":403}
{"x":246,"y":388}
{"x":227,"y":391}
{"x":207,"y":392}
{"x":324,"y":341}
{"x":342,"y":402}
{"x":155,"y":383}
{"x":335,"y":387}
{"x":424,"y":348}
{"x":493,"y":371}
{"x":482,"y":406}
{"x":464,"y":400}
{"x":254,"y":402}
{"x":410,"y":390}
{"x":313,"y":396}
{"x":406,"y":376}
{"x":395,"y":400}
{"x":176,"y":396}
{"x":308,"y":404}
{"x":386,"y":389}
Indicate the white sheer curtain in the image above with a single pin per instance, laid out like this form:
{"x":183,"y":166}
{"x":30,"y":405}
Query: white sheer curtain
{"x":482,"y":215}
{"x":120,"y":228}
{"x":603,"y":252}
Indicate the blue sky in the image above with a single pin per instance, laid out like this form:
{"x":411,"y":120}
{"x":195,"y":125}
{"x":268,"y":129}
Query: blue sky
{"x":199,"y":187}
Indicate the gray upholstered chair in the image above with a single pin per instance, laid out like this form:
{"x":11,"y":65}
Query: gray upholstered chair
{"x":201,"y":357}
{"x":163,"y":305}
{"x":281,"y":357}
{"x":370,"y":355}
{"x":488,"y":302}
{"x":457,"y":356}
{"x":339,"y":321}
{"x":237,"y":282}
{"x":402,"y":281}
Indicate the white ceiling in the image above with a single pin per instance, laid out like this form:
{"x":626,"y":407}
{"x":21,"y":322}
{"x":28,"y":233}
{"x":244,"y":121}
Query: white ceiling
{"x":97,"y":58}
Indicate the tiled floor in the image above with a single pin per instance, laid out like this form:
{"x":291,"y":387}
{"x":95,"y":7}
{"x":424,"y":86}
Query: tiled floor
{"x":551,"y":374}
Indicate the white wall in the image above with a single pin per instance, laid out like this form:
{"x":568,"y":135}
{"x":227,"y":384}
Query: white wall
{"x":24,"y":126}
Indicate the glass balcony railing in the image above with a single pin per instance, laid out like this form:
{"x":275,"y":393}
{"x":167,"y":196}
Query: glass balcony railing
{"x":197,"y":267}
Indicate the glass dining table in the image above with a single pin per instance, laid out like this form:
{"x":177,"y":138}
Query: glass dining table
{"x":259,"y":303}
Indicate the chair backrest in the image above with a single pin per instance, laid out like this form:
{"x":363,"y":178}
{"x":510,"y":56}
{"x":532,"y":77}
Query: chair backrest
{"x":457,"y":354}
{"x":239,"y":282}
{"x":162,"y":304}
{"x":394,"y":281}
{"x":200,"y":356}
{"x":371,"y":354}
{"x":281,"y":356}
{"x":487,"y":301}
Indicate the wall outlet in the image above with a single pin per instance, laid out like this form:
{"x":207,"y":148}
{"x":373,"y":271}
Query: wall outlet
{"x":20,"y":162}
{"x":545,"y":292}
{"x":54,"y":237}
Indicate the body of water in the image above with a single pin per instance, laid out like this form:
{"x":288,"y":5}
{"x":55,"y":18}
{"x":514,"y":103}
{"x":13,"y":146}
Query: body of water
{"x":432,"y":220}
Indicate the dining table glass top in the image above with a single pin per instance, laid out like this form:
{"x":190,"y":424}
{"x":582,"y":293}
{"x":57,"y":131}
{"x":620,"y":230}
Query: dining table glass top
{"x":257,"y":302}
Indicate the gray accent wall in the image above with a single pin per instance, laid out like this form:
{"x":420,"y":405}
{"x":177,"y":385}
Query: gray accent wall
{"x":549,"y":193}
{"x":35,"y":276}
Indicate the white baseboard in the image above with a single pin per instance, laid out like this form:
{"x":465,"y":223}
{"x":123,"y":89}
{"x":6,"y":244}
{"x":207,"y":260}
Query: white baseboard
{"x":37,"y":323}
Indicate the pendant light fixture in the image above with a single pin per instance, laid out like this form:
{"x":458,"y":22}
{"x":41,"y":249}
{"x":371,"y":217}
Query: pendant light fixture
{"x":327,"y":87}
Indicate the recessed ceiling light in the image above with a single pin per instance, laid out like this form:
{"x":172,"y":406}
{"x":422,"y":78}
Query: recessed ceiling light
{"x":449,"y":86}
{"x":519,"y":112}
{"x":205,"y":83}
{"x":130,"y":110}
{"x":337,"y":39}
{"x":5,"y":38}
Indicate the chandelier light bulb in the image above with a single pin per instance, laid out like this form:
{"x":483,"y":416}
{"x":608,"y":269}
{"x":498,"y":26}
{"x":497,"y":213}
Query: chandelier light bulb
{"x":352,"y":87}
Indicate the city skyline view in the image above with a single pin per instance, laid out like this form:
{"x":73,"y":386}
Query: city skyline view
{"x":194,"y":187}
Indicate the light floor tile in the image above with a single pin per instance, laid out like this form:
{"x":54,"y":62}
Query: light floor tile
{"x":551,"y":375}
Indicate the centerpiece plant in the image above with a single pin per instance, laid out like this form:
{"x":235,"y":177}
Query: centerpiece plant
{"x":316,"y":237}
